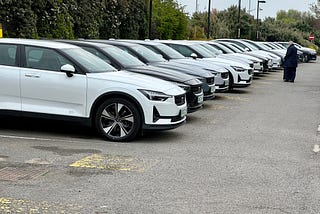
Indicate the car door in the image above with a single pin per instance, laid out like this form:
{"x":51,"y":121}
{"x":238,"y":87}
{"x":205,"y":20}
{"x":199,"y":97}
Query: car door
{"x":9,"y":78}
{"x":45,"y":89}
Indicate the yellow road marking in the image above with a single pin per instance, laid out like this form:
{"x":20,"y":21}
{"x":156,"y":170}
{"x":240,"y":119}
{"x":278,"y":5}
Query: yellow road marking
{"x":11,"y":205}
{"x":234,"y":98}
{"x":111,"y":162}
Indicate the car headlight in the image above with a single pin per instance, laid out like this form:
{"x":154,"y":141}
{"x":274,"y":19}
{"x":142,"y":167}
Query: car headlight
{"x":186,"y":88}
{"x":212,"y":71}
{"x":239,"y":69}
{"x":155,"y":95}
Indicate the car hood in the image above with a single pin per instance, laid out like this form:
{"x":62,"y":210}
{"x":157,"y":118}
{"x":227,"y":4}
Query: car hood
{"x":235,"y":58}
{"x":165,"y":74}
{"x":138,"y":80}
{"x":304,"y":49}
{"x":209,"y":66}
{"x":253,"y":58}
{"x":228,"y":62}
{"x":184,"y":68}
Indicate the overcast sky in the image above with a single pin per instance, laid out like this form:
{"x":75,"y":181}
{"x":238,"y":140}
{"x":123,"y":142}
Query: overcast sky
{"x":270,"y":8}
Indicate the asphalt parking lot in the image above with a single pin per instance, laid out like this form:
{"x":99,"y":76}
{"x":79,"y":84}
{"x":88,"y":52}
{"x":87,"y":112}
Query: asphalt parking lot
{"x":250,"y":151}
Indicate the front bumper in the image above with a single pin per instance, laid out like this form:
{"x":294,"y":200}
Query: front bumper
{"x":168,"y":113}
{"x":222,"y":82}
{"x":194,"y":101}
{"x":244,"y":79}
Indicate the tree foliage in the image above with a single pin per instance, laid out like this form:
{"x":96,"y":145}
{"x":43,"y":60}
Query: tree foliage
{"x":169,"y":20}
{"x":130,"y":18}
{"x":288,"y":25}
{"x":74,"y":18}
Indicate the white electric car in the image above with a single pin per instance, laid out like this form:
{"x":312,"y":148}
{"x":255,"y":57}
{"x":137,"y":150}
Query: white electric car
{"x":57,"y":79}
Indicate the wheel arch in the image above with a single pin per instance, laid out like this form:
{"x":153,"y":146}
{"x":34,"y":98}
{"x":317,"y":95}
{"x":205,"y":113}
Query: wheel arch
{"x":110,"y":95}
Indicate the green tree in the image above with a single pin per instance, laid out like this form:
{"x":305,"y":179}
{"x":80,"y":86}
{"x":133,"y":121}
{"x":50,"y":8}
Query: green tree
{"x":134,"y":24}
{"x":87,"y":16}
{"x":169,"y":20}
{"x":18,"y":18}
{"x":54,"y":19}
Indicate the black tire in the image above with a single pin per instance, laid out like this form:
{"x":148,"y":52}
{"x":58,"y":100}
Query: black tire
{"x":117,"y":119}
{"x":231,"y":82}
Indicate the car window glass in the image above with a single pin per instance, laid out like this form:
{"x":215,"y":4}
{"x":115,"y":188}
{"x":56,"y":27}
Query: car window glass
{"x":147,"y":54}
{"x":128,"y":51}
{"x":201,"y":50}
{"x":8,"y":54}
{"x":96,"y":52}
{"x":212,"y":49}
{"x":185,"y":51}
{"x":173,"y":54}
{"x":122,"y":57}
{"x":44,"y":59}
{"x":90,"y":62}
{"x":153,"y":49}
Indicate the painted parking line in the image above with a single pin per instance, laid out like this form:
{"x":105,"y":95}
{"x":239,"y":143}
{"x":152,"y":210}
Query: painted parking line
{"x":37,"y":138}
{"x":316,"y":148}
{"x":113,"y":162}
{"x":11,"y":205}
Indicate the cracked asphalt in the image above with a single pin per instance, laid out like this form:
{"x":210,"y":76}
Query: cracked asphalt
{"x":249,"y":151}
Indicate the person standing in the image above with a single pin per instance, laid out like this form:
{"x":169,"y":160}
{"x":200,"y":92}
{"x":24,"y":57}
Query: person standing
{"x":290,"y":63}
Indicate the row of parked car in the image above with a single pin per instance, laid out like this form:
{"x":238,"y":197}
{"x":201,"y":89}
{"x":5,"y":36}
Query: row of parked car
{"x":124,"y":87}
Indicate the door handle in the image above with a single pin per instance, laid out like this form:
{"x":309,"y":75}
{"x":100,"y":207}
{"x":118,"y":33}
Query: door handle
{"x":32,"y":75}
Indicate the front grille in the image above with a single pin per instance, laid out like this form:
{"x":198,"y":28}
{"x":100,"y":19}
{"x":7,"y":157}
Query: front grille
{"x":265,"y":65}
{"x":224,"y":75}
{"x":210,"y":80}
{"x":196,"y":89}
{"x":180,"y":100}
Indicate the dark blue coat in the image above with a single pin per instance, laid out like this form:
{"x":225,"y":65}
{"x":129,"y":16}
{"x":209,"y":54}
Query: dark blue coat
{"x":291,"y":58}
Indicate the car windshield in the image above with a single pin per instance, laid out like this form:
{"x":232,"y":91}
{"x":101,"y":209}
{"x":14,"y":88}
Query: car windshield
{"x":147,"y":54}
{"x":233,"y":48}
{"x":264,"y":47}
{"x":250,"y":46}
{"x":125,"y":59}
{"x":203,"y":51}
{"x":271,"y":46}
{"x":212,"y":49}
{"x":222,"y":48}
{"x":173,"y":54}
{"x":90,"y":62}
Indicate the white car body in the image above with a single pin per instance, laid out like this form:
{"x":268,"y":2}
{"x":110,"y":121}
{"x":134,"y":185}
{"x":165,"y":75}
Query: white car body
{"x":50,"y":92}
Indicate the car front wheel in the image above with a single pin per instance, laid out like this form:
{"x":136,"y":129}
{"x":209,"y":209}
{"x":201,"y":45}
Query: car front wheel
{"x":118,"y":120}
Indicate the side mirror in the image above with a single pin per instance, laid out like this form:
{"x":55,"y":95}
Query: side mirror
{"x":68,"y":69}
{"x":220,"y":51}
{"x":194,"y":56}
{"x":246,"y":49}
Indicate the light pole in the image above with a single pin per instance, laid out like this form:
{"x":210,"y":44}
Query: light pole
{"x":209,"y":11}
{"x":258,"y":9}
{"x":150,"y":20}
{"x":238,"y":28}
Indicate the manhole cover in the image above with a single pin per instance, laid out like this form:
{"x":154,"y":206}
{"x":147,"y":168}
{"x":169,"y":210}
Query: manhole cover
{"x":19,"y":173}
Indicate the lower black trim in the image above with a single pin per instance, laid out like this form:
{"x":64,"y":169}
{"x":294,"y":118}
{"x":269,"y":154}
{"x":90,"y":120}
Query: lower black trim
{"x":12,"y":113}
{"x":209,"y":96}
{"x":194,"y":108}
{"x":146,"y":127}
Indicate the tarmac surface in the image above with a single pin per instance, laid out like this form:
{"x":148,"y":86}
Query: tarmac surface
{"x":255,"y":150}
